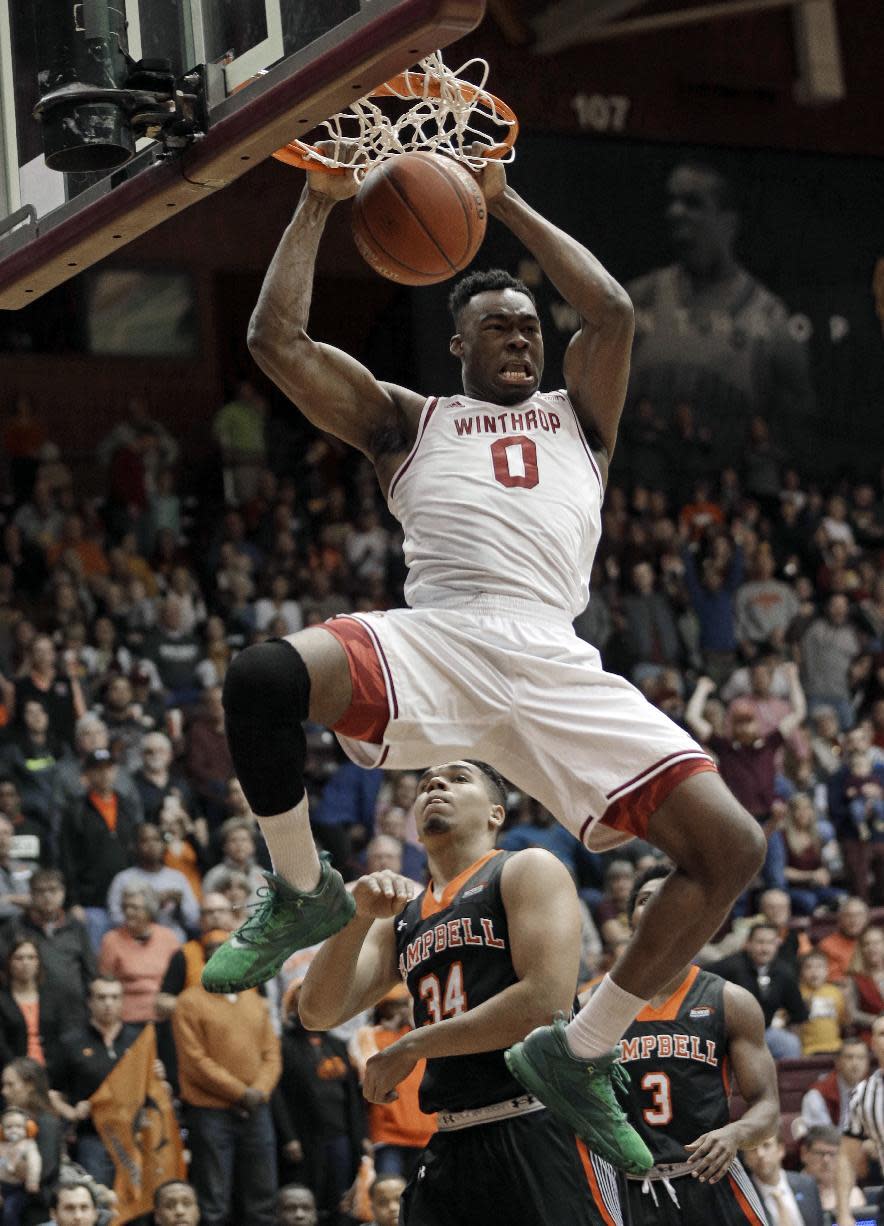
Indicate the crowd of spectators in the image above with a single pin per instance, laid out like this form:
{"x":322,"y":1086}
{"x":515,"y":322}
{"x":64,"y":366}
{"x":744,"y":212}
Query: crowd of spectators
{"x":748,"y":604}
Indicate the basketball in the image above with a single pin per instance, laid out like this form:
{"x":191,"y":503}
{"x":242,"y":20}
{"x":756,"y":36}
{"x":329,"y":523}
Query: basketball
{"x":419,"y":218}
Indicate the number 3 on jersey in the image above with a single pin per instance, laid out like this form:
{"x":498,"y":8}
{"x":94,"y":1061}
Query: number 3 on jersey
{"x":447,"y":1003}
{"x":659,"y":1114}
{"x":515,"y":461}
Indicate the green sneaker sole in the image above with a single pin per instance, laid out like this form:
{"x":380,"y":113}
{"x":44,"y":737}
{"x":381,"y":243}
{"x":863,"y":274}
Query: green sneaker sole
{"x":285,"y":921}
{"x":587,"y":1115}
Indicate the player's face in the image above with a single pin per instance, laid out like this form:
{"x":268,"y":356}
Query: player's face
{"x":452,"y":798}
{"x":501,"y":347}
{"x":644,"y":896}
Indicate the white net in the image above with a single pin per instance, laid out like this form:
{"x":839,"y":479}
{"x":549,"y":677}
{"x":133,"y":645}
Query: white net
{"x":446,"y":113}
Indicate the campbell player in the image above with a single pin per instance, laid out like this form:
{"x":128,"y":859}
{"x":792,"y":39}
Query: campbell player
{"x":499,"y":492}
{"x":682,"y":1052}
{"x":489,"y":949}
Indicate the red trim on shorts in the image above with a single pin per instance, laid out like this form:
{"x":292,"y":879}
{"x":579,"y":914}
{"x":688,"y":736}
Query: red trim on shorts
{"x":632,"y":812}
{"x":429,"y":411}
{"x":368,"y":714}
{"x":630,"y":783}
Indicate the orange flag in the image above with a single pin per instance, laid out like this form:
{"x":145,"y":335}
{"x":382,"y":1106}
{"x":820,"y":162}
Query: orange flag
{"x":132,"y":1111}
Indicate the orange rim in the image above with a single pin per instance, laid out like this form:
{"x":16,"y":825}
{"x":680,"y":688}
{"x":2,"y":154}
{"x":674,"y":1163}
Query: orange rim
{"x":410,"y":85}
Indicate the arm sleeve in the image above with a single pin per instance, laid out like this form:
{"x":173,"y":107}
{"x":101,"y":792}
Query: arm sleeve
{"x":175,"y":976}
{"x":795,"y":1002}
{"x":282,"y":1118}
{"x":49,"y":1145}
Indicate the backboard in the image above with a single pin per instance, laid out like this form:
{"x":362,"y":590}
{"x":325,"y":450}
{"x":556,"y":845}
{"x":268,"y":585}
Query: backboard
{"x":146,"y":106}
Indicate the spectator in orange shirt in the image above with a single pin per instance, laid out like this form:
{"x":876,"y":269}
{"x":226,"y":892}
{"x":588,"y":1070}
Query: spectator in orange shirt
{"x":86,"y":554}
{"x":839,"y":946}
{"x":398,"y":1130}
{"x":228,"y":1066}
{"x":137,"y":953}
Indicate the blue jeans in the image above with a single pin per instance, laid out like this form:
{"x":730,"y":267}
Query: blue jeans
{"x":806,"y":899}
{"x":233,"y":1152}
{"x":396,"y":1159}
{"x":95,"y":1159}
{"x":15,"y":1199}
{"x":774,"y":871}
{"x":783,"y":1044}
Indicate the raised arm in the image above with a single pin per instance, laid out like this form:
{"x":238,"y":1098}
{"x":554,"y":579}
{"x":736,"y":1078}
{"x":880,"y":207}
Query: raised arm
{"x":756,"y":1076}
{"x":332,"y":390}
{"x":797,"y":701}
{"x":597,"y":360}
{"x":357,"y":966}
{"x":543,"y":918}
{"x":694,"y":716}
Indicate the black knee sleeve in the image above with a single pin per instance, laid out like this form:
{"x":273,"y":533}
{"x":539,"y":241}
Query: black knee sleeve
{"x":266,"y":700}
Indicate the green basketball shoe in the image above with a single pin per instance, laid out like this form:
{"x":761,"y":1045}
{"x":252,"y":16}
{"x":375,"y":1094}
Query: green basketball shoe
{"x":284,"y":920}
{"x":581,"y":1093}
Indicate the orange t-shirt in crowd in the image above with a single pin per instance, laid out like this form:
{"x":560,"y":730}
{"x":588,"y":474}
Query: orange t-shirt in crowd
{"x":107,"y":807}
{"x":839,"y":950}
{"x":30,"y":1011}
{"x":186,"y":862}
{"x":401,"y":1122}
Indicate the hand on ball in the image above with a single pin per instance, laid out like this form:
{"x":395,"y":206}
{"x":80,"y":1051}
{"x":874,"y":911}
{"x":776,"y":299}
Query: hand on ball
{"x":337,"y":185}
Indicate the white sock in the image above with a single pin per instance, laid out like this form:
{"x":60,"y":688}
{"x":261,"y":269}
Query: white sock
{"x":602,"y":1020}
{"x":290,"y":843}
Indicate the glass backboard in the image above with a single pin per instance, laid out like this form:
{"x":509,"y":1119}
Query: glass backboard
{"x":116,"y":113}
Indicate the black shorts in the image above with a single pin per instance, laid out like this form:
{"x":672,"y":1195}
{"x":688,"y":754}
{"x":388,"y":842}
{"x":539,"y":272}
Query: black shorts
{"x":733,"y":1201}
{"x":528,"y":1170}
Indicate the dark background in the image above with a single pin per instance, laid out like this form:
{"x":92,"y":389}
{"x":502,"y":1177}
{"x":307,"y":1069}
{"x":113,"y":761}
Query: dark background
{"x":811,"y":231}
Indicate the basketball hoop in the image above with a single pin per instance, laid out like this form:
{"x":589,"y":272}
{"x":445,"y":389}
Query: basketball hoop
{"x":448,"y":114}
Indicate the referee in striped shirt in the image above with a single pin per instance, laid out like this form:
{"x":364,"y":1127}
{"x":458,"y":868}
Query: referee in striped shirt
{"x":865,"y":1122}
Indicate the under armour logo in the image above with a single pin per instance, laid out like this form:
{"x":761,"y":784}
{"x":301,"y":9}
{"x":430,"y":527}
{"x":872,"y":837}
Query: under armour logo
{"x":421,"y":1171}
{"x":401,"y":924}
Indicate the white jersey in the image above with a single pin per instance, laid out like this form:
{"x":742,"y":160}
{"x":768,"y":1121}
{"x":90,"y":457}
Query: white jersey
{"x":499,"y":501}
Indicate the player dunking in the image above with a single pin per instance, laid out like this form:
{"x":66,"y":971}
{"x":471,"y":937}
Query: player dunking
{"x":490,"y":948}
{"x":499,"y":492}
{"x":681,"y":1052}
